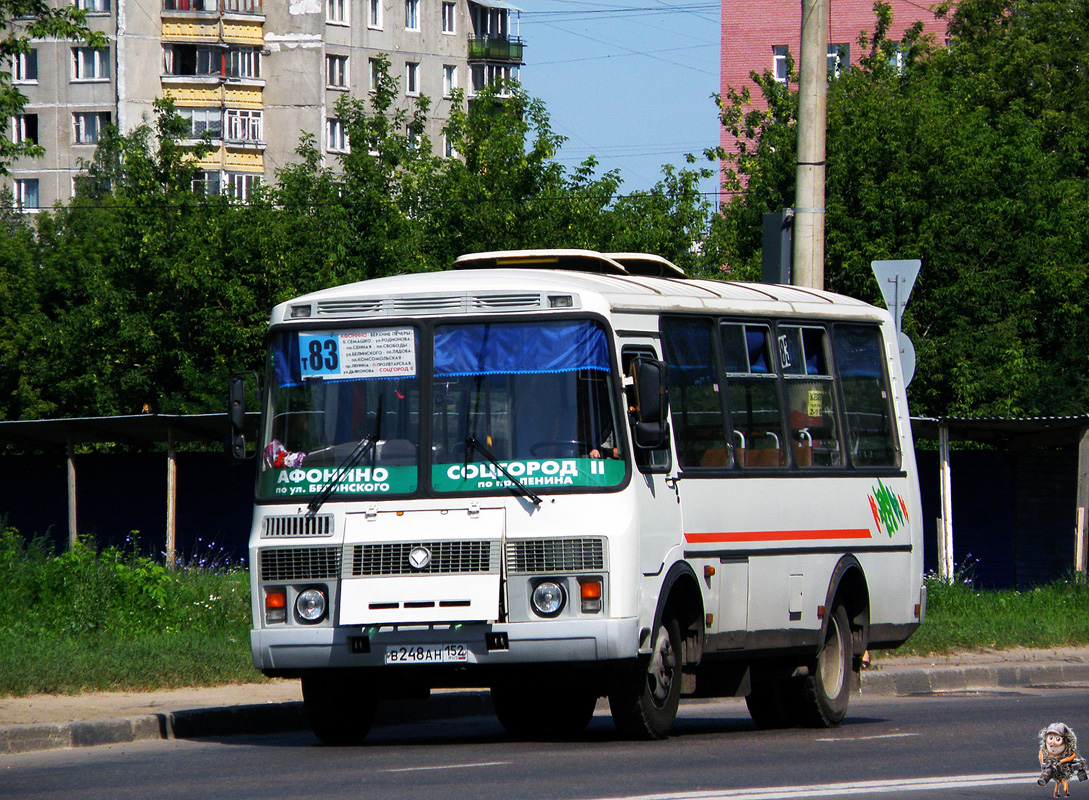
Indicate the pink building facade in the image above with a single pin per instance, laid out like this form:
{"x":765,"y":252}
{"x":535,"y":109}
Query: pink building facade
{"x":758,"y":34}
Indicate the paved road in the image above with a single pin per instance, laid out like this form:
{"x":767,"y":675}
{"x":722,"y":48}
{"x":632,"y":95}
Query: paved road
{"x":971,"y":744}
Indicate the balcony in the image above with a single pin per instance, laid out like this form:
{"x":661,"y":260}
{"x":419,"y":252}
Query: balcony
{"x":214,"y":6}
{"x":489,"y":48}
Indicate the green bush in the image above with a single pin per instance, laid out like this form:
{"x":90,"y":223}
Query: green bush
{"x":102,"y":618}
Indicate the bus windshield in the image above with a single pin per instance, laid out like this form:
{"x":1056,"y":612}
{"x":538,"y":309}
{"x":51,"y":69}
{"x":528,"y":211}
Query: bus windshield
{"x":528,"y":401}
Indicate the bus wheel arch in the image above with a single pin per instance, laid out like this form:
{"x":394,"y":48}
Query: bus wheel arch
{"x":644,"y":698}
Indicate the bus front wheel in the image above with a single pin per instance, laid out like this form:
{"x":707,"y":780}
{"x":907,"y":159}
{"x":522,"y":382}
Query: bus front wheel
{"x":341,"y":709}
{"x":826,"y":691}
{"x":644,"y":701}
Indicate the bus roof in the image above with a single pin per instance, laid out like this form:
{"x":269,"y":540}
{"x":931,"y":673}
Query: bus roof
{"x":531,"y":280}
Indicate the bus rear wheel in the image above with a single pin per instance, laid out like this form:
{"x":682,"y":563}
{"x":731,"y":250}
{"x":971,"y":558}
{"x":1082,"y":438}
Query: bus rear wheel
{"x":826,"y":691}
{"x":341,"y":709}
{"x":644,"y":702}
{"x":527,"y":712}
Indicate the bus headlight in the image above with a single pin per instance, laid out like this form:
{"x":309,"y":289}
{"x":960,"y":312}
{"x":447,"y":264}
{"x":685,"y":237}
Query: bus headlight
{"x":548,"y":598}
{"x":310,"y":605}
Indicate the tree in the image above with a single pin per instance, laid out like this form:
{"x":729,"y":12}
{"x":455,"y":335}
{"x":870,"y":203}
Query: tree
{"x":20,"y":22}
{"x":972,"y":158}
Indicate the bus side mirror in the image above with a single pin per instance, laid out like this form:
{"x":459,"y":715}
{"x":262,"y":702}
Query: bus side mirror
{"x":236,"y":416}
{"x":651,"y":403}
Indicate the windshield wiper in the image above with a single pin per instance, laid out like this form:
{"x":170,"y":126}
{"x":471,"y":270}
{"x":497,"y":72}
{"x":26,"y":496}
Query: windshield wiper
{"x":365,"y":444}
{"x":471,"y":442}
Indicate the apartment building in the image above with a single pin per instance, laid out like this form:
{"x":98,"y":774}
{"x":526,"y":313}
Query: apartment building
{"x":255,"y":74}
{"x":761,"y":35}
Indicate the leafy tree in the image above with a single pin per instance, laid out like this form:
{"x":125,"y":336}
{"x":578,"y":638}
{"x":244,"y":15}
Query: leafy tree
{"x":20,"y":22}
{"x":972,"y":158}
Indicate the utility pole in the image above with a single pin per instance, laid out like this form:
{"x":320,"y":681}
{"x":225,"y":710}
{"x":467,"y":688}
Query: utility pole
{"x":812,"y":117}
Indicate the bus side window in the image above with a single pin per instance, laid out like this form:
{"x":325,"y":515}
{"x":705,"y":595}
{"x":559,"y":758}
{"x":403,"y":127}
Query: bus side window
{"x":694,"y":398}
{"x":871,"y":433}
{"x":657,"y":460}
{"x":753,"y":396}
{"x":810,"y":396}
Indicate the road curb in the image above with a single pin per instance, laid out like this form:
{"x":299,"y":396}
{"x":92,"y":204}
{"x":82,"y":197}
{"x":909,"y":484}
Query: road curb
{"x":281,"y":717}
{"x":906,"y":681}
{"x":223,"y":721}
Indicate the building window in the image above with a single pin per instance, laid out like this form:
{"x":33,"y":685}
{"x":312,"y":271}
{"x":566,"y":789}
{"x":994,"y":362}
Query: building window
{"x":89,"y":64}
{"x":336,"y":72}
{"x":449,"y":79}
{"x":336,"y":11}
{"x":26,"y":193}
{"x":412,"y":79}
{"x":897,"y":60}
{"x":780,"y":56}
{"x":24,"y":67}
{"x":374,"y":75}
{"x":196,"y":5}
{"x":188,"y":59}
{"x":412,"y":15}
{"x":206,"y":183}
{"x":244,"y":62}
{"x":243,"y":125}
{"x":93,"y":6}
{"x":89,"y":127}
{"x":489,"y":23}
{"x":24,"y":128}
{"x":448,"y":147}
{"x":839,"y":58}
{"x":489,"y":74}
{"x":374,"y":14}
{"x":203,"y":120}
{"x":337,"y":137}
{"x":240,"y":185}
{"x":449,"y":12}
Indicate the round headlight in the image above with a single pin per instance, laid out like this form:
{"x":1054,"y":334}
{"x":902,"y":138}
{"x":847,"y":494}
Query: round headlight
{"x":548,"y":598}
{"x":310,"y":605}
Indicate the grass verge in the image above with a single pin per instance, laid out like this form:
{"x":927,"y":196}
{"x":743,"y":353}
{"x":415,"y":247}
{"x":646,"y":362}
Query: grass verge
{"x":111,"y":619}
{"x":962,"y":617}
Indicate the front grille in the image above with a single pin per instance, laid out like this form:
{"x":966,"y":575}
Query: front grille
{"x":446,"y":558}
{"x":298,"y":526}
{"x":287,"y":564}
{"x":432,"y":303}
{"x":530,"y":556}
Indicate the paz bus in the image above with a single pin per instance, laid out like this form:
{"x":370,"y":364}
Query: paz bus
{"x":563,"y":475}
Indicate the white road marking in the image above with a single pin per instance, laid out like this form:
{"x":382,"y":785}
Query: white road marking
{"x":865,"y":738}
{"x":841,"y":789}
{"x":450,"y":766}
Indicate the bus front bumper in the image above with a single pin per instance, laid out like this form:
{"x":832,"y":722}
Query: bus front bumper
{"x":296,"y":648}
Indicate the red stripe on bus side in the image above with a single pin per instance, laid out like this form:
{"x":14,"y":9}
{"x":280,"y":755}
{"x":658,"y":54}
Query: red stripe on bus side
{"x":777,"y":536}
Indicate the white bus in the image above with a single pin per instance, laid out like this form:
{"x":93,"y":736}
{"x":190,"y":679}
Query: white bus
{"x":565,"y":475}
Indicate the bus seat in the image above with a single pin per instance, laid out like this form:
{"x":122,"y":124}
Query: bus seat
{"x":715,"y":457}
{"x":766,"y":457}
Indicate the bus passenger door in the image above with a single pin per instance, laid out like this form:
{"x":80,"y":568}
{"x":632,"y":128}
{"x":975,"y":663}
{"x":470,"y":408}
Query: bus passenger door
{"x":658,"y":502}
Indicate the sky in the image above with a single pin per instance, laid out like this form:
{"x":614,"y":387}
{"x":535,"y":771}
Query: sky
{"x":627,"y":81}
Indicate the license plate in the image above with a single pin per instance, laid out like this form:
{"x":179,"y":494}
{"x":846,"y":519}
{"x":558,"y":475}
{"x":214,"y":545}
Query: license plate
{"x":427,"y":654}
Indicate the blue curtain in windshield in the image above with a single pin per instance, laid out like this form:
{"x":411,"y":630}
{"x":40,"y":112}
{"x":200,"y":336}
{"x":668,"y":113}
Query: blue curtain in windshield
{"x":285,"y":359}
{"x":520,"y":348}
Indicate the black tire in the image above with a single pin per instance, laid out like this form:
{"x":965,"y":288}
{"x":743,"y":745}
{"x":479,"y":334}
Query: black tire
{"x":826,"y":691}
{"x":551,"y":713}
{"x":341,"y":710}
{"x":644,"y":701}
{"x":774,"y":704}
